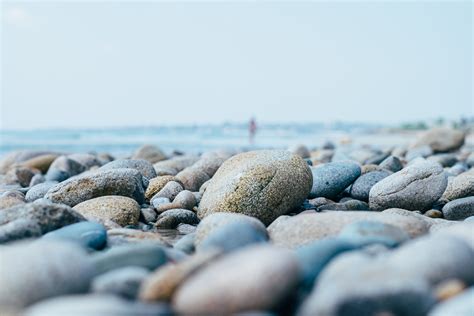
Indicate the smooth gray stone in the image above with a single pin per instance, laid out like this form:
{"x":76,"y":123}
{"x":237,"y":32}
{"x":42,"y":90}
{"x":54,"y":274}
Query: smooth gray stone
{"x":123,"y":282}
{"x":330,"y":179}
{"x":459,"y":209}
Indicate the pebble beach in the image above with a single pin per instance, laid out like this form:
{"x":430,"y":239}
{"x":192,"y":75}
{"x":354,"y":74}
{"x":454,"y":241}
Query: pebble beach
{"x":327,"y":230}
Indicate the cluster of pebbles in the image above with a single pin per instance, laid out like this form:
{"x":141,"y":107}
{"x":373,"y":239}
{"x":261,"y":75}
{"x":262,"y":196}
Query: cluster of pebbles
{"x":330,"y":231}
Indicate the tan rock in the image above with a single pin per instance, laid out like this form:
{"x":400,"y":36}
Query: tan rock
{"x":120,"y":209}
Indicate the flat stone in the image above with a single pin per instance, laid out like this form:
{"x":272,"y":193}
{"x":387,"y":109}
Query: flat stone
{"x":459,"y":209}
{"x":34,"y":271}
{"x":416,"y":187}
{"x":87,"y":234}
{"x":262,"y":278}
{"x":330,"y":179}
{"x":124,"y":182}
{"x":263,"y":184}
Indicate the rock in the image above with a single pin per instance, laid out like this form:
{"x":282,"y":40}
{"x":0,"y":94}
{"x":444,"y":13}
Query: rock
{"x":192,"y":178}
{"x":124,"y":182}
{"x":120,"y":209}
{"x":213,"y":221}
{"x":416,"y":187}
{"x":367,"y":232}
{"x":186,"y":243}
{"x":169,"y":191}
{"x":459,"y":187}
{"x":63,"y":168}
{"x":418,"y":152}
{"x":38,"y":191}
{"x":445,"y":160}
{"x":392,"y":163}
{"x":41,"y":162}
{"x":262,"y":278}
{"x":318,"y":202}
{"x":434,"y":214}
{"x":172,"y":218}
{"x":459,"y":305}
{"x":174,"y":165}
{"x":141,"y":165}
{"x":31,"y":272}
{"x":263,"y":184}
{"x":148,"y":215}
{"x":361,"y":187}
{"x":148,"y":256}
{"x":351,"y":205}
{"x":330,"y":179}
{"x":20,"y":175}
{"x":441,"y":139}
{"x":87,"y":160}
{"x":17,"y":157}
{"x":165,"y":280}
{"x":300,"y":150}
{"x":156,"y":184}
{"x":37,"y":179}
{"x":185,"y":199}
{"x":87,"y":234}
{"x":470,"y":160}
{"x":150,"y":153}
{"x":34,"y":219}
{"x":123,"y":282}
{"x":11,"y":198}
{"x":312,"y":258}
{"x":306,"y":228}
{"x":406,"y":290}
{"x":125,"y":236}
{"x":232,"y":236}
{"x":161,"y":203}
{"x":95,"y":305}
{"x":459,"y":209}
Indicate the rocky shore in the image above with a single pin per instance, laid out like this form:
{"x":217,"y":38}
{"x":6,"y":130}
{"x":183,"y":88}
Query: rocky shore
{"x":334,"y":230}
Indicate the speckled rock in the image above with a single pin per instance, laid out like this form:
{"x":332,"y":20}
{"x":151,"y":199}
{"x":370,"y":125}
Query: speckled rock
{"x":39,"y":217}
{"x":332,"y":178}
{"x":305,"y":228}
{"x":163,"y":283}
{"x":232,"y":236}
{"x":441,"y":139}
{"x":124,"y":182}
{"x":11,"y":198}
{"x":38,"y":191}
{"x":367,"y":232}
{"x":120,"y":209}
{"x":141,"y":165}
{"x":459,"y":187}
{"x":184,"y":200}
{"x":148,"y":256}
{"x":63,"y":168}
{"x":300,"y":150}
{"x":86,"y":160}
{"x":169,"y":191}
{"x":148,"y":215}
{"x":151,"y":153}
{"x":351,"y":205}
{"x":192,"y":178}
{"x":213,"y":221}
{"x":95,"y":305}
{"x":172,"y":218}
{"x":123,"y":282}
{"x":415,"y":187}
{"x":406,"y":290}
{"x":459,"y":209}
{"x":392,"y":163}
{"x":174,"y":165}
{"x":31,"y":272}
{"x":156,"y":184}
{"x":459,"y":305}
{"x":262,"y":278}
{"x":361,"y":187}
{"x":263,"y":184}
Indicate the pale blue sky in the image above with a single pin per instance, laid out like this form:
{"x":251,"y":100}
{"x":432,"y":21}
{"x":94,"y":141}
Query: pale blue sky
{"x":93,"y":64}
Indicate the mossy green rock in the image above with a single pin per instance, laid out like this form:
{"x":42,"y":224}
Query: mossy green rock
{"x":263,"y":184}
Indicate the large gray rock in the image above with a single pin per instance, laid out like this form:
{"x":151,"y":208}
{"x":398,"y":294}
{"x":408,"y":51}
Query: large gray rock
{"x":263,"y":184}
{"x":262,"y":278}
{"x":400,"y":282}
{"x":303,"y":229}
{"x":124,"y":182}
{"x":144,"y":166}
{"x":459,"y":186}
{"x":35,"y":219}
{"x":30,"y":272}
{"x":330,"y":179}
{"x":415,"y":187}
{"x":459,"y":209}
{"x":441,"y":139}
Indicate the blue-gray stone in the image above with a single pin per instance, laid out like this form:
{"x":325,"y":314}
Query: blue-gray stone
{"x":314,"y":257}
{"x":186,"y":243}
{"x":143,"y":166}
{"x":459,"y":209}
{"x":363,"y":233}
{"x":142,"y":255}
{"x":232,"y":236}
{"x":123,"y":282}
{"x":392,"y":163}
{"x":88,"y":234}
{"x":361,"y":187}
{"x":39,"y":190}
{"x":332,"y":178}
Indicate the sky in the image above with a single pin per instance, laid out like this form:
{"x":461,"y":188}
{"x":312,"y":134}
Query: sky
{"x":104,"y":63}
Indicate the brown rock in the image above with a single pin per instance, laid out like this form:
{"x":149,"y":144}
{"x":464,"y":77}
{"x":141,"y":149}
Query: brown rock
{"x":120,"y":209}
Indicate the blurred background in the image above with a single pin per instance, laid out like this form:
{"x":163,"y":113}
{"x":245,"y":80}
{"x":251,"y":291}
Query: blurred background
{"x":190,"y":76}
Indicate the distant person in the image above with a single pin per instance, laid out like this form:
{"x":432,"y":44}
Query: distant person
{"x":252,"y":130}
